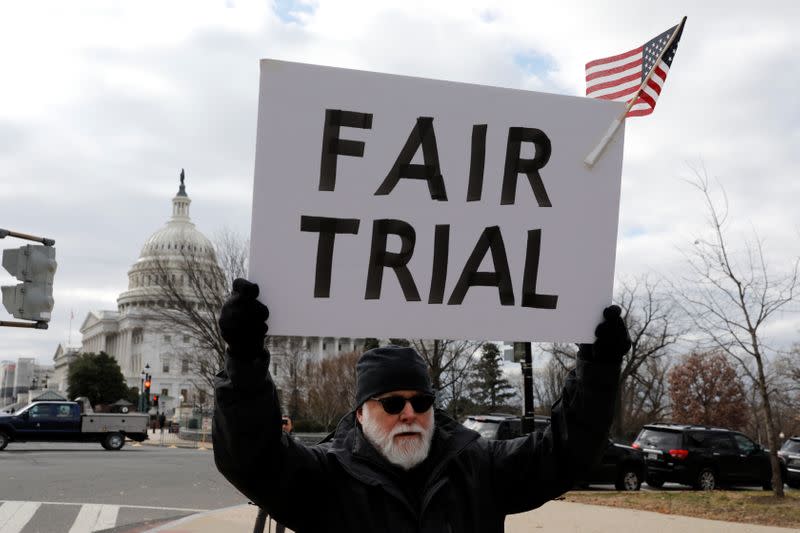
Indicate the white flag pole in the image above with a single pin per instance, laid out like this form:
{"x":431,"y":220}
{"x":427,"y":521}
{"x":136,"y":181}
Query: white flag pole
{"x":591,"y":159}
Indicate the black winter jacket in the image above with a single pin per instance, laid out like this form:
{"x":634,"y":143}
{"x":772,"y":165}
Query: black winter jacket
{"x":345,"y":485}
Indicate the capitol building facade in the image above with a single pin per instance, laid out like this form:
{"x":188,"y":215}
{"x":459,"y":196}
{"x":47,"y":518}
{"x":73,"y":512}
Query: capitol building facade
{"x":138,"y":333}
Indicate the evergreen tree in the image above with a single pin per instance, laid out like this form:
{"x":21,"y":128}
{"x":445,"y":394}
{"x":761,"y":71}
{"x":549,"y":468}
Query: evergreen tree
{"x":98,"y":377}
{"x":371,"y":343}
{"x":400,"y":342}
{"x":489,"y":387}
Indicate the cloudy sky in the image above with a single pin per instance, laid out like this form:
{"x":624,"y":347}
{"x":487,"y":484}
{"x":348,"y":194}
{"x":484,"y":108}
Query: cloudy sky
{"x":102,"y":103}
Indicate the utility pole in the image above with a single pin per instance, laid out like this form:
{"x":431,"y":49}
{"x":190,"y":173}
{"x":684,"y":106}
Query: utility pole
{"x":523,"y":354}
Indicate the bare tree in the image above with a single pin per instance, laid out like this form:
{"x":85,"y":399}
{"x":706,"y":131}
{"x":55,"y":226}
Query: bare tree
{"x":232,"y":254}
{"x":549,"y":380}
{"x":731,"y":296}
{"x":450,"y":363}
{"x":190,"y":289}
{"x":650,"y":318}
{"x":331,"y":388}
{"x":787,"y":395}
{"x":792,"y":370}
{"x":291,"y":360}
{"x":788,"y":368}
{"x":649,"y":397}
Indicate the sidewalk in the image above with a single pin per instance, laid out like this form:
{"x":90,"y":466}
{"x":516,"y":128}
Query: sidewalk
{"x":171,"y":440}
{"x":562,"y":517}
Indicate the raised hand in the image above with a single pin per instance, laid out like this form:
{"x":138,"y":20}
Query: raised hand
{"x":612,"y":339}
{"x":243,"y":321}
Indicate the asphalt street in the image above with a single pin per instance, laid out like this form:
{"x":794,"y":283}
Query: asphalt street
{"x":77,"y":488}
{"x":65,"y":487}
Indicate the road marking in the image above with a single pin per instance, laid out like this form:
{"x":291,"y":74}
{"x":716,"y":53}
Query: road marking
{"x":107,"y":518}
{"x":14,"y":515}
{"x":122,"y":505}
{"x":95,"y":517}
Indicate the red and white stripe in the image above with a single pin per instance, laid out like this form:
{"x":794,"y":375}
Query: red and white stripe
{"x":619,"y":77}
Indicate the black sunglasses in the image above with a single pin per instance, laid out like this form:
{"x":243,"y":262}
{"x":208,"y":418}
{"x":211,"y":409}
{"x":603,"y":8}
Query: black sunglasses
{"x":394,"y":405}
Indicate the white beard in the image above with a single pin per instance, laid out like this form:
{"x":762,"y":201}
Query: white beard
{"x":407,"y":453}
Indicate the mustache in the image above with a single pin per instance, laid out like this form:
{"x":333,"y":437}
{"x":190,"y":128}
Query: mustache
{"x":406,"y":428}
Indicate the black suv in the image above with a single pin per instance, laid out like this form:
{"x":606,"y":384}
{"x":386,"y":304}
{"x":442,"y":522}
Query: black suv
{"x":703,"y":457}
{"x":789,"y":455}
{"x":501,"y":426}
{"x":621,"y":465}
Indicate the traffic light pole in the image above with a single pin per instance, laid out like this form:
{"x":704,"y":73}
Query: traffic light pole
{"x":39,"y":324}
{"x":8,"y":233}
{"x":13,"y":324}
{"x":146,"y":402}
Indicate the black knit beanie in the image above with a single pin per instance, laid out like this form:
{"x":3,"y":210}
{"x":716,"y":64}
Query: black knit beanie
{"x":390,"y":368}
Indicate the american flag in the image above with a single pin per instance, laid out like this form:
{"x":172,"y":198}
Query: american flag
{"x":619,"y":77}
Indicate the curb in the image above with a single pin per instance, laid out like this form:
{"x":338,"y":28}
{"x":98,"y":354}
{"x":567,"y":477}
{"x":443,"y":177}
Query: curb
{"x":182,"y":523}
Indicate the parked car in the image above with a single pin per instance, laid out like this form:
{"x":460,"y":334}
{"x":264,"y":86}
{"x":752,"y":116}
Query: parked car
{"x":62,"y":421}
{"x":502,"y":426}
{"x":621,"y":465}
{"x":703,"y":457}
{"x":789,"y":456}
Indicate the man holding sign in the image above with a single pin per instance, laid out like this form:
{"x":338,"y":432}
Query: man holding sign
{"x":432,"y":210}
{"x":395,"y":464}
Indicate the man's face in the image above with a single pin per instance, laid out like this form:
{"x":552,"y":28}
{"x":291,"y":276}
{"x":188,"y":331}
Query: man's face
{"x":404,"y":439}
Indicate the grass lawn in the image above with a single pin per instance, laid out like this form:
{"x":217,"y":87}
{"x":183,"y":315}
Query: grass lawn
{"x":751,"y":507}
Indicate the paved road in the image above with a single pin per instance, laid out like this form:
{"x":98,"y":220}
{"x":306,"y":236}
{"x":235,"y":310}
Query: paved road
{"x":76,"y":488}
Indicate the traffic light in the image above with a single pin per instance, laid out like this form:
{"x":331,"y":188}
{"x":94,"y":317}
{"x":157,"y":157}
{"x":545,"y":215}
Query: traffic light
{"x":155,"y":400}
{"x":147,"y":385}
{"x":35,"y":266}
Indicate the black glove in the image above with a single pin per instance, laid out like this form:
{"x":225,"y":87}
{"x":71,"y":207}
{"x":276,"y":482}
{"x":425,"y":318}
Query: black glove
{"x":243,"y":321}
{"x":613,"y":341}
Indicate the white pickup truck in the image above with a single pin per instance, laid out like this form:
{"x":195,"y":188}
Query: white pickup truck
{"x":62,"y":421}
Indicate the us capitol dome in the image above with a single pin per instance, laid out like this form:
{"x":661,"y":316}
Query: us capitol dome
{"x":166,"y":252}
{"x":139,"y":334}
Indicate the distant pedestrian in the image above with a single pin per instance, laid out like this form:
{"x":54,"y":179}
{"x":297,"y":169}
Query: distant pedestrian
{"x":162,"y":421}
{"x":287,"y":425}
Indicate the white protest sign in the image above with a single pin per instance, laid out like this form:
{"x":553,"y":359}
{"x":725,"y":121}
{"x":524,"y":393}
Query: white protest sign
{"x":391,"y":206}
